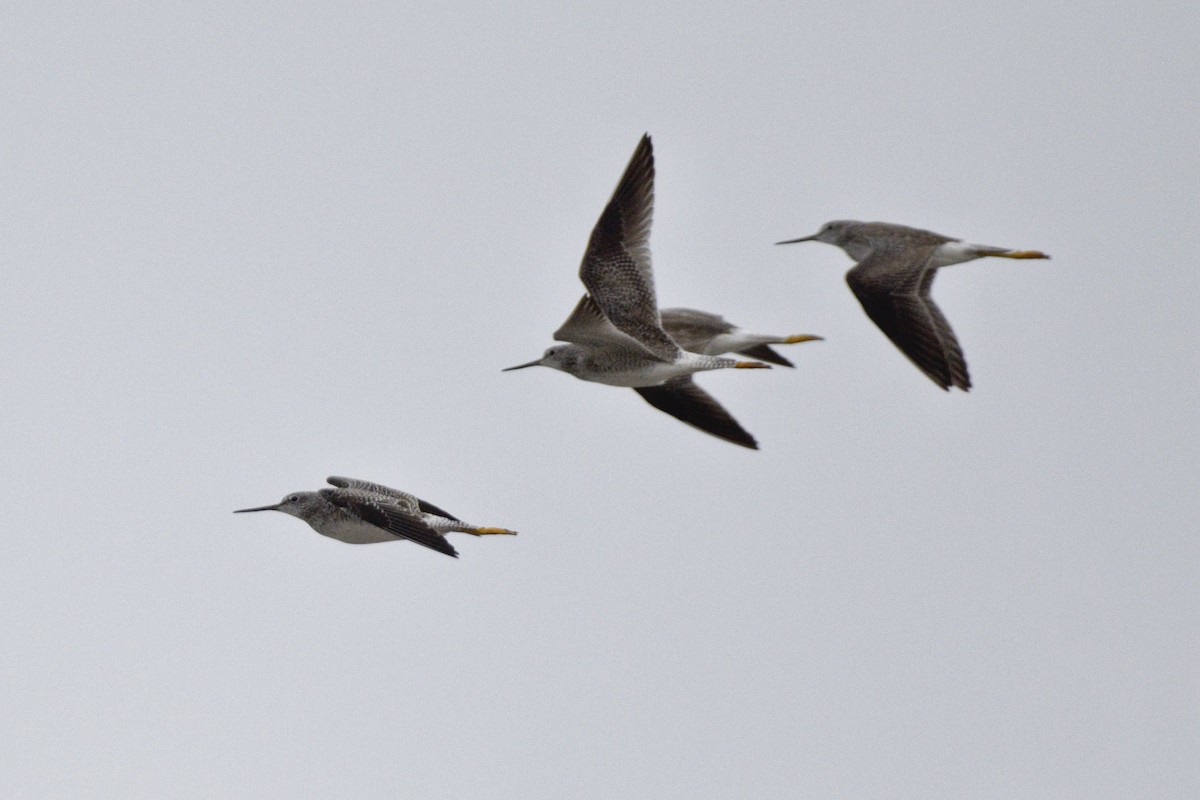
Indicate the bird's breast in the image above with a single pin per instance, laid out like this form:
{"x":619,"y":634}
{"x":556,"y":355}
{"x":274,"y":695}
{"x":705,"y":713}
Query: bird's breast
{"x":352,"y":530}
{"x":637,"y":372}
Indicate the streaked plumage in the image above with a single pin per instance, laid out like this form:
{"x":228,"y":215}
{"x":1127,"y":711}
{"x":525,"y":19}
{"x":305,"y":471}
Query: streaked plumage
{"x":615,"y":335}
{"x":361,"y":512}
{"x":892,"y":281}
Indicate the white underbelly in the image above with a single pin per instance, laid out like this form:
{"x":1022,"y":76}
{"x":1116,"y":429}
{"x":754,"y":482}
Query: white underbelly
{"x":650,"y":373}
{"x":357,"y":533}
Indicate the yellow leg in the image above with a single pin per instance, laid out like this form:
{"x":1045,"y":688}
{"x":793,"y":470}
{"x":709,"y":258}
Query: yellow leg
{"x":803,"y":337}
{"x":490,"y":531}
{"x":1020,"y":254}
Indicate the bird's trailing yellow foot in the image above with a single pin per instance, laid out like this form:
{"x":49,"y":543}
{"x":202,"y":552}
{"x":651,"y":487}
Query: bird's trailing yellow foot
{"x":493,"y":531}
{"x":1022,"y":254}
{"x":751,"y":365}
{"x":803,"y":337}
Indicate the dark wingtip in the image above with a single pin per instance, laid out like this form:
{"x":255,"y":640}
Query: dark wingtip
{"x":765,"y":353}
{"x":750,"y":443}
{"x":742,"y":438}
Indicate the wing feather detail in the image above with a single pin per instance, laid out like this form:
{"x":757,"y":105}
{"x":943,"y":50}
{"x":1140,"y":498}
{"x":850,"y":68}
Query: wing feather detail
{"x":896,"y":296}
{"x":616,"y":267}
{"x":687,"y":402}
{"x":391,"y":517}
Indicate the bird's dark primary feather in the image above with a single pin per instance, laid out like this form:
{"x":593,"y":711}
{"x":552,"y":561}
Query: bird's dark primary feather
{"x":430,"y":508}
{"x":899,"y":303}
{"x":763,"y":352}
{"x":687,"y":402}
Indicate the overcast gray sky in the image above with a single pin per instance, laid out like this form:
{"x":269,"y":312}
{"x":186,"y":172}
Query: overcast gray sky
{"x":250,"y":245}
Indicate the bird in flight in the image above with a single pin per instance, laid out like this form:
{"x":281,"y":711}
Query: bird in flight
{"x":892,"y":280}
{"x":361,"y":512}
{"x":615,"y":335}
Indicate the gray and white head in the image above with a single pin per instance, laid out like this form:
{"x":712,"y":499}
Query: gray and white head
{"x":298,"y":504}
{"x":565,"y":357}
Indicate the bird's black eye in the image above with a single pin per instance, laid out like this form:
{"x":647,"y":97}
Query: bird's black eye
{"x":294,"y":498}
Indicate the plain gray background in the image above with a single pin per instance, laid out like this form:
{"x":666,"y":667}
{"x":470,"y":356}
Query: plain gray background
{"x":247,"y":246}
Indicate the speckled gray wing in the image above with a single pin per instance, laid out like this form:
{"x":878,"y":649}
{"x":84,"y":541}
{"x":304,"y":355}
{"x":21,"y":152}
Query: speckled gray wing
{"x":685,"y":401}
{"x":616,"y":267}
{"x":893,"y":286}
{"x":391,"y":517}
{"x":403,"y":498}
{"x":588,"y":326}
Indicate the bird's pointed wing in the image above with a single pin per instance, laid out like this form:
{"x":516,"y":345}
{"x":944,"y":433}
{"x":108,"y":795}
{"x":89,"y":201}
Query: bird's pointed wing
{"x":616,"y":267}
{"x":893,"y":289}
{"x":430,"y":508}
{"x":685,"y":401}
{"x":764,"y":352}
{"x":391,"y":517}
{"x":404,"y":498}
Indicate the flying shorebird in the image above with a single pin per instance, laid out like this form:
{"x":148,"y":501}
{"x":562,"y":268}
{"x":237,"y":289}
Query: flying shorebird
{"x":361,"y":512}
{"x":710,"y":334}
{"x":615,"y":335}
{"x":896,"y":266}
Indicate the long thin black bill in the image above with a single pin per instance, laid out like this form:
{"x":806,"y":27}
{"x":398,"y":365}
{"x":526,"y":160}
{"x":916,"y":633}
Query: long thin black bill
{"x":522,"y":366}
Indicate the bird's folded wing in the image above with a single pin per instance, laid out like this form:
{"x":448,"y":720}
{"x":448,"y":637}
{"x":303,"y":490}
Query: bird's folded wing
{"x":684,"y":400}
{"x":404,"y":498}
{"x":391,"y":517}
